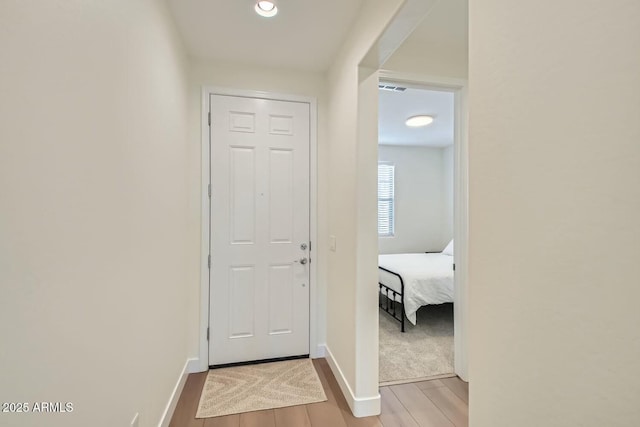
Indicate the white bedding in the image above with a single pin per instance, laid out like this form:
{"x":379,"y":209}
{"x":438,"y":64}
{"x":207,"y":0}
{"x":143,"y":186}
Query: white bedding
{"x":428,"y":279}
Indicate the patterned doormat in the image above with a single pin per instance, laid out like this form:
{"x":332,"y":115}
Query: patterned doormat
{"x":248,"y":388}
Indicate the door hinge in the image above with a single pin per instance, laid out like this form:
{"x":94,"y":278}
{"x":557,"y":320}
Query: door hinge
{"x":207,"y":333}
{"x":209,"y":118}
{"x":454,"y":267}
{"x":309,"y":245}
{"x":209,"y":261}
{"x":209,"y":190}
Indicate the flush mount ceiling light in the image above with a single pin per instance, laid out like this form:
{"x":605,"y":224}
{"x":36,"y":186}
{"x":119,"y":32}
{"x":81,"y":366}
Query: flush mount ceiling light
{"x":419,"y":121}
{"x":266,"y":8}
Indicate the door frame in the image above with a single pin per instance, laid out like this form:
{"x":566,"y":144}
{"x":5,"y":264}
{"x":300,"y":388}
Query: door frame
{"x":207,"y":91}
{"x":460,"y":201}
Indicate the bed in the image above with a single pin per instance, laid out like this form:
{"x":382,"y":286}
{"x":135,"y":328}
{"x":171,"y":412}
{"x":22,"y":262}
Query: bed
{"x":410,"y":281}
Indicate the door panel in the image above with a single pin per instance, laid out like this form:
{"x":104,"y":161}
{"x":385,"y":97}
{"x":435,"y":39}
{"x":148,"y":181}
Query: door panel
{"x":280,"y":299}
{"x":281,"y":197}
{"x":242,"y":194}
{"x":259,"y":306}
{"x":242,"y":289}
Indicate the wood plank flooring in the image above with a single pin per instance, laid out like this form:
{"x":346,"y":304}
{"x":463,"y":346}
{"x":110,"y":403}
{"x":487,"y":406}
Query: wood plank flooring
{"x":436,"y":403}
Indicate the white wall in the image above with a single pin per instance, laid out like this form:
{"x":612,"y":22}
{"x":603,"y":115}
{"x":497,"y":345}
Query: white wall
{"x":94,"y":210}
{"x":554,"y":208}
{"x":439,"y":46}
{"x":421,"y":199}
{"x":251,"y":77}
{"x":352,"y":157}
{"x":438,"y":60}
{"x":448,"y":172}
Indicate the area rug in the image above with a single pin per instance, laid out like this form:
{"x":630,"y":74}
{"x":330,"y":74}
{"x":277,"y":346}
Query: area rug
{"x":249,"y":388}
{"x":424,"y":350}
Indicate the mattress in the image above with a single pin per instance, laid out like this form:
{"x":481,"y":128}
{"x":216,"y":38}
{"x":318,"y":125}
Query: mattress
{"x":428,"y":279}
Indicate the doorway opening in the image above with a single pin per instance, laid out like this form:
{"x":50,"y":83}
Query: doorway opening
{"x":415,"y":231}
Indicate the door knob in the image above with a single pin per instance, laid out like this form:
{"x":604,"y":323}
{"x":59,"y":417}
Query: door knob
{"x":302,"y":261}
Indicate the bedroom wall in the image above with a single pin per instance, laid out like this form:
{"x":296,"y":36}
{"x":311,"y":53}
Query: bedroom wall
{"x":448,"y":166}
{"x":421,"y":185}
{"x":554,"y":207}
{"x":251,"y":77}
{"x":93,"y":188}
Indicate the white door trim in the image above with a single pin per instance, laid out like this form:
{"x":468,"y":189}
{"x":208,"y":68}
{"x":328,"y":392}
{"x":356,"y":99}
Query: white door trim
{"x":207,"y":91}
{"x":461,"y":203}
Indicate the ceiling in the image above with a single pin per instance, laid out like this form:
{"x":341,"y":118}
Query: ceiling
{"x":396,"y":107}
{"x":305,"y":34}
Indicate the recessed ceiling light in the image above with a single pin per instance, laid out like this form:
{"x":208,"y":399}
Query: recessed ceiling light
{"x":419,"y":121}
{"x":266,"y":9}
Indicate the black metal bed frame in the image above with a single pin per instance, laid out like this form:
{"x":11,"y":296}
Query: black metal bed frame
{"x":391,"y":308}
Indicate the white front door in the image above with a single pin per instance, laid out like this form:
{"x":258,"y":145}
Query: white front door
{"x":259,"y":279}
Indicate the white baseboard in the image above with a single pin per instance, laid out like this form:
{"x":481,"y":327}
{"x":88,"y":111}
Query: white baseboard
{"x":360,"y":406}
{"x":321,"y":351}
{"x":190,"y":366}
{"x":193,"y":366}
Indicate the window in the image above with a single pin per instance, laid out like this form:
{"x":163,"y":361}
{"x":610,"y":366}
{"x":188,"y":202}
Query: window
{"x":385,"y":199}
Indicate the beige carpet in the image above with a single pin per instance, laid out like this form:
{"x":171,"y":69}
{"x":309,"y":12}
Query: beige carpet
{"x":255,"y":387}
{"x":423,"y":350}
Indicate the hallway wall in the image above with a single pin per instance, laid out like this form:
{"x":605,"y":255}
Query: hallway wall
{"x":93,"y":189}
{"x":554,"y":206}
{"x":352,"y":335}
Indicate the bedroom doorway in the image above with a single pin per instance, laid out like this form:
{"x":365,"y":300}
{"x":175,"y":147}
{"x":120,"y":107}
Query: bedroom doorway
{"x":418,"y":129}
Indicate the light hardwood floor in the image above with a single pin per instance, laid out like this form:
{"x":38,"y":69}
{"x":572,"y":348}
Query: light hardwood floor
{"x":435,"y":403}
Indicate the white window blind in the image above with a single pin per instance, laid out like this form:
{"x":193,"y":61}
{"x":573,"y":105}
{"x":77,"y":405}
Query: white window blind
{"x":385,"y":199}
